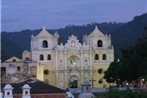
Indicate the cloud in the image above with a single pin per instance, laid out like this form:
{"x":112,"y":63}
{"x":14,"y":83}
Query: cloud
{"x":64,"y":12}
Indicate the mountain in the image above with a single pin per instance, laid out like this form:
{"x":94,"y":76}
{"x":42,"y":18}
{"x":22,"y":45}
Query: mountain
{"x":22,"y":39}
{"x":8,"y":48}
{"x":127,"y":34}
{"x":80,"y":31}
{"x":123,"y":34}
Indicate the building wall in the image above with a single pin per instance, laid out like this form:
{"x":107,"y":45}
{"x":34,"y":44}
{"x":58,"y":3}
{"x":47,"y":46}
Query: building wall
{"x":73,"y":61}
{"x":58,"y":95}
{"x":26,"y":55}
{"x":12,"y":67}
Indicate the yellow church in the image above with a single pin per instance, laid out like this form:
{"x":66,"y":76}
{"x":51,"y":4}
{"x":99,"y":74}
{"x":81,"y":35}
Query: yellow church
{"x":70,"y":64}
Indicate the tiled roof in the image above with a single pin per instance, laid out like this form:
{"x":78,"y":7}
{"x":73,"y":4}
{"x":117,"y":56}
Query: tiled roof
{"x":37,"y":87}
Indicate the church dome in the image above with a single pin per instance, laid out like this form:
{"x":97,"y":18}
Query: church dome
{"x":8,"y":86}
{"x":86,"y":91}
{"x":86,"y":95}
{"x":26,"y":86}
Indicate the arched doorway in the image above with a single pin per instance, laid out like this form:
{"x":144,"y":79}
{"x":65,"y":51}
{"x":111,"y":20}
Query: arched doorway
{"x":73,"y":82}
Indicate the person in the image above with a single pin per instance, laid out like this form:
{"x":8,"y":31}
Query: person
{"x":69,"y":94}
{"x":1,"y":95}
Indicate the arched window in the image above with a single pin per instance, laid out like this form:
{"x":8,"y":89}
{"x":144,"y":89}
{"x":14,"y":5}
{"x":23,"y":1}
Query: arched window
{"x":49,"y":57}
{"x":99,"y":43}
{"x":27,"y":59}
{"x":14,"y":60}
{"x":41,"y":57}
{"x":8,"y":93}
{"x":26,"y":92}
{"x":104,"y":57}
{"x":100,"y":71}
{"x":100,"y":81}
{"x":45,"y":44}
{"x":96,"y":57}
{"x":46,"y":72}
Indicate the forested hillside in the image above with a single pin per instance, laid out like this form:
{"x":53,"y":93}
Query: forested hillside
{"x":123,"y":34}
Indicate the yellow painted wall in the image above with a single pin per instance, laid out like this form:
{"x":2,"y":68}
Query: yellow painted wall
{"x":40,"y":75}
{"x":97,"y":76}
{"x":51,"y":76}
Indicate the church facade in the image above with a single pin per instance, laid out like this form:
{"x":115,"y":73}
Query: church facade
{"x":63,"y":65}
{"x":71,"y":64}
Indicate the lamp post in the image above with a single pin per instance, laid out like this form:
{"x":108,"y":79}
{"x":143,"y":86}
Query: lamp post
{"x":142,"y":83}
{"x":127,"y":85}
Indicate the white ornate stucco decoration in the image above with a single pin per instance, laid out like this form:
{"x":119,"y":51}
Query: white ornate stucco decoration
{"x":60,"y":47}
{"x":44,"y":33}
{"x":85,"y":47}
{"x":56,"y":34}
{"x":96,"y":33}
{"x":73,"y":43}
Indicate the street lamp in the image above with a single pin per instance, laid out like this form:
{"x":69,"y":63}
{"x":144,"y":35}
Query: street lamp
{"x":142,"y":82}
{"x":74,"y":63}
{"x":127,"y":84}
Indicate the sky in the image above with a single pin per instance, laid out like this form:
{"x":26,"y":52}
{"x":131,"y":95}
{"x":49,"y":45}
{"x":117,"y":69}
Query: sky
{"x":18,"y":15}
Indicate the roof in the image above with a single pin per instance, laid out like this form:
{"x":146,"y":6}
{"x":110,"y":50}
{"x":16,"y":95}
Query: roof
{"x":8,"y":86}
{"x":86,"y":83}
{"x":37,"y":87}
{"x":44,"y":33}
{"x":12,"y":58}
{"x":96,"y":32}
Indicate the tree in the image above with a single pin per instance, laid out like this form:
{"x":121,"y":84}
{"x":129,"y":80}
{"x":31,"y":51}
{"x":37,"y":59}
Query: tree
{"x":132,"y":65}
{"x":112,"y":74}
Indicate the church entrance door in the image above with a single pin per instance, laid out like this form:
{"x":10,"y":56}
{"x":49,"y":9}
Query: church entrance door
{"x":73,"y":83}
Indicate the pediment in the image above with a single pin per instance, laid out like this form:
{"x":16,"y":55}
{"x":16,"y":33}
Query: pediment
{"x":73,"y":42}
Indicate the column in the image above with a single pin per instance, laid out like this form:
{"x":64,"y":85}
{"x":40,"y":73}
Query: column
{"x":56,"y":70}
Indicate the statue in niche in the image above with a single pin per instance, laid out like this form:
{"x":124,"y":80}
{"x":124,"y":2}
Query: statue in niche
{"x":73,"y":61}
{"x":72,"y":43}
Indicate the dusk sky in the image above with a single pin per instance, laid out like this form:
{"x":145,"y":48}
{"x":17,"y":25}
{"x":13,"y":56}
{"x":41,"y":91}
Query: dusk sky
{"x":33,"y":14}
